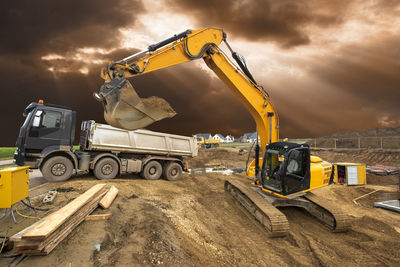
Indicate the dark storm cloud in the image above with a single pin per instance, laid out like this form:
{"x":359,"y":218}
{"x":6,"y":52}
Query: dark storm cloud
{"x":357,"y":87}
{"x":33,"y":29}
{"x":284,"y":22}
{"x":350,"y":87}
{"x":370,"y":75}
{"x":46,"y":25}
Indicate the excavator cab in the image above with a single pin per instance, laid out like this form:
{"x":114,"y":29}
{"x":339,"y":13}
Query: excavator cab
{"x":286,"y":168}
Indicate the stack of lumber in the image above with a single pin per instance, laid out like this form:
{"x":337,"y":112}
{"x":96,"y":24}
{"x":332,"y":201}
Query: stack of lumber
{"x":43,"y":236}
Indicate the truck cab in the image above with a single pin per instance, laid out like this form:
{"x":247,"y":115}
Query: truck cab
{"x":47,"y":129}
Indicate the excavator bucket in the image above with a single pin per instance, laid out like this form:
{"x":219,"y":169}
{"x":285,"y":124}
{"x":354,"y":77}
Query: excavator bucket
{"x":123,"y":108}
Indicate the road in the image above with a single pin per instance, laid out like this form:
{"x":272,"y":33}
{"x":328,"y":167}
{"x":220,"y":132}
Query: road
{"x":35,"y":176}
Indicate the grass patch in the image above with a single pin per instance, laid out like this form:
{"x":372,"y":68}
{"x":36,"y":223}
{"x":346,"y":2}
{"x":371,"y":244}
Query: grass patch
{"x":235,"y":144}
{"x":8,"y":165}
{"x":7,"y":152}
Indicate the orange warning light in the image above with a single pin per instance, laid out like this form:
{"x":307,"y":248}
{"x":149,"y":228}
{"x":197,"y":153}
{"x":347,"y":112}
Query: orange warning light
{"x":41,"y":101}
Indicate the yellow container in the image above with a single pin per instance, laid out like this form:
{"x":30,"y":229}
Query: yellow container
{"x":14,"y":185}
{"x":350,"y":173}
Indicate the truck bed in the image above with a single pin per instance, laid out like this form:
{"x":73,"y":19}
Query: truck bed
{"x":102,"y":137}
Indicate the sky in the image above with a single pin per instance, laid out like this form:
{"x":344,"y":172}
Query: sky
{"x":329,"y":66}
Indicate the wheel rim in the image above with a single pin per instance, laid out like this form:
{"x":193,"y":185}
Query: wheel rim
{"x":152,"y":170}
{"x":58,"y":169}
{"x":107,"y":169}
{"x":174,"y":171}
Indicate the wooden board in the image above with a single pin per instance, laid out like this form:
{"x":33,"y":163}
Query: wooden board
{"x":98,"y":217}
{"x":109,"y":197}
{"x":68,"y":226}
{"x":50,"y":223}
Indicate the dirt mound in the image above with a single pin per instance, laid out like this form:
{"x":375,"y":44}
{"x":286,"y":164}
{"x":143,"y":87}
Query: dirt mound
{"x":395,"y":131}
{"x":229,"y":157}
{"x":369,"y":157}
{"x":193,"y":222}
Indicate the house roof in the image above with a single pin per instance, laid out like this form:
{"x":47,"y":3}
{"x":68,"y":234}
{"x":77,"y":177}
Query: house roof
{"x":205,"y":135}
{"x":231,"y":136}
{"x":251,"y":135}
{"x":220,"y":136}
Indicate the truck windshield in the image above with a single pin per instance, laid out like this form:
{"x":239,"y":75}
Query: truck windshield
{"x":27,"y":119}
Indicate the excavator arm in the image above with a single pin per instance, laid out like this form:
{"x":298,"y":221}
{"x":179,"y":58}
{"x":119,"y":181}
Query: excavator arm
{"x":124,"y":109}
{"x":287,"y":173}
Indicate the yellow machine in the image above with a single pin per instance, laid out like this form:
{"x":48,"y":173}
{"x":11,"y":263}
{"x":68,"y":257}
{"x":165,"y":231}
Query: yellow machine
{"x":350,"y":173}
{"x":207,"y":143}
{"x":284,"y":172}
{"x":14,"y":185}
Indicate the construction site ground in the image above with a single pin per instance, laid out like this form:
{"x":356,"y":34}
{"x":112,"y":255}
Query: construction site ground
{"x":193,"y":222}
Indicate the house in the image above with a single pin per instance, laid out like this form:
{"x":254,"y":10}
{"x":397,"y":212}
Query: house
{"x":204,"y":135}
{"x":248,"y":138}
{"x":219,"y":137}
{"x":229,"y":139}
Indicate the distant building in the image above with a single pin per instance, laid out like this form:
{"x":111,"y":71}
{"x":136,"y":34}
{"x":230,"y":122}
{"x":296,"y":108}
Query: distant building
{"x":248,"y":138}
{"x":219,"y":137}
{"x":204,"y":135}
{"x":229,"y":139}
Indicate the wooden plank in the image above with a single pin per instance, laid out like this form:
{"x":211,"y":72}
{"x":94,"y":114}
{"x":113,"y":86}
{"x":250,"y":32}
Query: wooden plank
{"x":50,"y":223}
{"x":109,"y":197}
{"x":17,"y":237}
{"x":98,"y":217}
{"x":68,"y":226}
{"x":67,"y":231}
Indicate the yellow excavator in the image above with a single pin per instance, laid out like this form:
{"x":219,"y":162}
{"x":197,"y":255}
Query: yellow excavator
{"x":284,"y":173}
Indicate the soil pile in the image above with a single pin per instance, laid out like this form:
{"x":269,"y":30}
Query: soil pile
{"x":193,"y":222}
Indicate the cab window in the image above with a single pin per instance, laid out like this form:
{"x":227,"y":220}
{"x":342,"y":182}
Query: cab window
{"x":51,"y":119}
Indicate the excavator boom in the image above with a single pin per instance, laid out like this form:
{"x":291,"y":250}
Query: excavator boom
{"x":124,"y":109}
{"x":284,"y":172}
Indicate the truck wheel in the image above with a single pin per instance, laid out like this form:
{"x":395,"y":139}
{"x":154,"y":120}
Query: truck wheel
{"x":173,"y":171}
{"x":106,"y":168}
{"x":152,"y":170}
{"x":57,"y":169}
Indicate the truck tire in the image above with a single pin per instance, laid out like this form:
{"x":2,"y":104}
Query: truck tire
{"x":172,"y":171}
{"x":152,"y":170}
{"x":106,"y":168}
{"x":57,"y":169}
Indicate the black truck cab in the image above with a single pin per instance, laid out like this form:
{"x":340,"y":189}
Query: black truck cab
{"x":47,"y":129}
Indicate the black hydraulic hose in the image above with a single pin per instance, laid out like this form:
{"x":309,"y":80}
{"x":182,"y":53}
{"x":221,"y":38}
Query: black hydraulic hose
{"x":174,"y":38}
{"x":248,"y":158}
{"x":9,"y":256}
{"x":243,"y":66}
{"x":29,"y":206}
{"x":202,"y":51}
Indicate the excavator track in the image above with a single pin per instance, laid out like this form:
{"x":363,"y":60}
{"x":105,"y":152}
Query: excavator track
{"x":274,"y":221}
{"x":329,"y":213}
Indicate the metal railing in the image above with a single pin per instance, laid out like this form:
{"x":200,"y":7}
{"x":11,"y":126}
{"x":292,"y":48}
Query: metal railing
{"x":374,"y":142}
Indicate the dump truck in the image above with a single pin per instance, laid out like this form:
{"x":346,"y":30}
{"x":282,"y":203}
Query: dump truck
{"x":46,"y":139}
{"x":207,"y":143}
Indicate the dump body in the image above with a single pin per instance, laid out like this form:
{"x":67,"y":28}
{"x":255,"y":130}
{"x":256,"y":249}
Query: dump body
{"x":101,"y":137}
